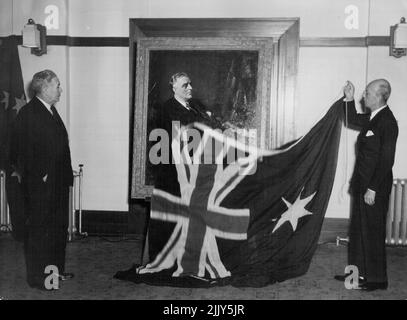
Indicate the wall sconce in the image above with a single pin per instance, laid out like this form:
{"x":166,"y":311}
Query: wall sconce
{"x":34,"y":37}
{"x":398,"y":39}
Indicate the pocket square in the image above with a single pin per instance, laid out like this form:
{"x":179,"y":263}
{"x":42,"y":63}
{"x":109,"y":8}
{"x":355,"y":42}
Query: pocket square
{"x":369,"y":133}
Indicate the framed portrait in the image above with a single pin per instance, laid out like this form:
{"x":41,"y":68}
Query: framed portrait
{"x":235,"y":78}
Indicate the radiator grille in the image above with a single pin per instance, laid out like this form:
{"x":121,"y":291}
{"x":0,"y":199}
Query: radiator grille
{"x":5,"y":224}
{"x":75,"y":196}
{"x":396,"y":225}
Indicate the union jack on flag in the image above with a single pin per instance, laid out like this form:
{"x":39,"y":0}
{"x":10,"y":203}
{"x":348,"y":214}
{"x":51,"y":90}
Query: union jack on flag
{"x":198,"y":214}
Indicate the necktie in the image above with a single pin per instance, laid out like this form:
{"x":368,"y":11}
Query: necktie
{"x":191,"y":108}
{"x":54,"y":111}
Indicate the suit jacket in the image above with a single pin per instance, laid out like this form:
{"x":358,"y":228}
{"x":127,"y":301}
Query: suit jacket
{"x":172,"y":110}
{"x":40,"y":146}
{"x":165,"y":175}
{"x":375,"y":150}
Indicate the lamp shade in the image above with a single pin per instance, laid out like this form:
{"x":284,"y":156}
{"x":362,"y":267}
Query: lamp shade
{"x":31,"y":36}
{"x":400,"y":36}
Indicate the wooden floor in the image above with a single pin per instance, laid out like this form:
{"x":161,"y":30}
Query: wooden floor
{"x":95,"y":260}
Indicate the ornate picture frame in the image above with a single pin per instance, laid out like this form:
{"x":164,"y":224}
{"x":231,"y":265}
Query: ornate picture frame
{"x":271,"y":116}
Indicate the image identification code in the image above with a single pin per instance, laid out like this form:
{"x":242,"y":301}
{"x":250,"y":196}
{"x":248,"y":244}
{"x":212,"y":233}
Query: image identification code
{"x":214,"y":310}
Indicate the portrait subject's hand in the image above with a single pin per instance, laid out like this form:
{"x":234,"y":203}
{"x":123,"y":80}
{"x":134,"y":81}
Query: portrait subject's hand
{"x":349,"y":91}
{"x":16,"y":174}
{"x":370,"y":197}
{"x":229,"y":125}
{"x":44,"y":178}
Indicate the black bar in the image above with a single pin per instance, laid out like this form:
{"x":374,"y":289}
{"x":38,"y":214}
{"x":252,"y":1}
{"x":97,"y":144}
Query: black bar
{"x":81,"y":41}
{"x":124,"y":41}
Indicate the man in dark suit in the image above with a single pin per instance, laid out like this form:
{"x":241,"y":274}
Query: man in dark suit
{"x":41,"y":157}
{"x":186,"y":110}
{"x":371,"y":182}
{"x":182,"y":107}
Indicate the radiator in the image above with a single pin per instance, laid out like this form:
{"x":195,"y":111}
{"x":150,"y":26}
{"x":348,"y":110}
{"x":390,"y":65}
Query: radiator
{"x":5,"y":224}
{"x":396,"y":225}
{"x":75,"y":205}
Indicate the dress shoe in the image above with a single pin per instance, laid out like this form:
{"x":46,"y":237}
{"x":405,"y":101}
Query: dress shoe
{"x":65,"y":276}
{"x":371,"y":286}
{"x":343,"y":277}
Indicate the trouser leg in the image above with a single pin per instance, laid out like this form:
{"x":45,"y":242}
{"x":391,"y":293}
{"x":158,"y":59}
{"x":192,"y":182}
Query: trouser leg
{"x":374,"y":234}
{"x":37,"y":253}
{"x":355,"y":249}
{"x":61,"y":228}
{"x":38,"y":236}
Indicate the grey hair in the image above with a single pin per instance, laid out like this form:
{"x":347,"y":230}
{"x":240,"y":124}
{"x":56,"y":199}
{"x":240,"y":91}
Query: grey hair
{"x":384,"y":89}
{"x":176,"y":76}
{"x":41,"y":79}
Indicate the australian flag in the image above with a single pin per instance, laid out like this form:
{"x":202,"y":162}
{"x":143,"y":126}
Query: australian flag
{"x":12,"y":96}
{"x":249,"y":222}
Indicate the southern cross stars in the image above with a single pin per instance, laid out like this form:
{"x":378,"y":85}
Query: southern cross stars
{"x":19,"y":103}
{"x":294,"y":211}
{"x":5,"y":99}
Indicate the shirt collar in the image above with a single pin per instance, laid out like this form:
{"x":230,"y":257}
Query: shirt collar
{"x":47,"y":105}
{"x":374,"y":113}
{"x":183,"y":103}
